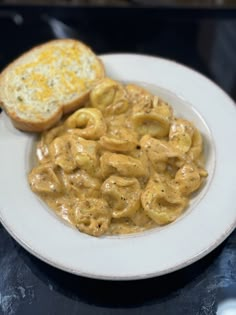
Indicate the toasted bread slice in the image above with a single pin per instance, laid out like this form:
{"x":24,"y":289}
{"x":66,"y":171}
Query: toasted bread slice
{"x":48,"y":81}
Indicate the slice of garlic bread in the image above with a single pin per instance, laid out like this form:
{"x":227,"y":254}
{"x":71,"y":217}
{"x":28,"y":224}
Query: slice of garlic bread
{"x":48,"y":81}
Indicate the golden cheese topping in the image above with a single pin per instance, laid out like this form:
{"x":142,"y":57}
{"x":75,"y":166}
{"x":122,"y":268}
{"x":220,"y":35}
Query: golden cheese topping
{"x":107,"y":170}
{"x":52,"y":75}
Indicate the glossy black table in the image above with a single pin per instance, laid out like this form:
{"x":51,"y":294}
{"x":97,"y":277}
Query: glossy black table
{"x":202,"y":39}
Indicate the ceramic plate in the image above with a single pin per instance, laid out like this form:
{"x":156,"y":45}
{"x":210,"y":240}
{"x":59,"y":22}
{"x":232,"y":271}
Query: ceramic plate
{"x":208,"y":220}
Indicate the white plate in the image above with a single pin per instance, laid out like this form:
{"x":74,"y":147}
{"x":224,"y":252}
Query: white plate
{"x":208,"y":221}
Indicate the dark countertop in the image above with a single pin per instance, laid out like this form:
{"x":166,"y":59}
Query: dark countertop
{"x":129,"y":3}
{"x":202,"y":39}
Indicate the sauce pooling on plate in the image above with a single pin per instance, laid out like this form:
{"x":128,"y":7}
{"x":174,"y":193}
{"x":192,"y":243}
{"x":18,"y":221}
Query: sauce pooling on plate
{"x":121,"y":164}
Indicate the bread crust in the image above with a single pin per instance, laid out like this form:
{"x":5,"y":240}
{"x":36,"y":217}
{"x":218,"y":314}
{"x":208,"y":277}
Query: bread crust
{"x":65,"y":108}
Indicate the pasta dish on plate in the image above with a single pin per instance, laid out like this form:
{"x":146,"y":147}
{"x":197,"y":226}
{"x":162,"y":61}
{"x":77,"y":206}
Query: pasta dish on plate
{"x":121,"y":164}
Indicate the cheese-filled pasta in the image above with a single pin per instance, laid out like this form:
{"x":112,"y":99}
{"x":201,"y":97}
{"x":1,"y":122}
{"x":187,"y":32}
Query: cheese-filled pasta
{"x":122,"y":194}
{"x":87,"y":123}
{"x":110,"y":97}
{"x":121,"y":164}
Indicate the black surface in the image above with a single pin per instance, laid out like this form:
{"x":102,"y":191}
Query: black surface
{"x":204,"y":40}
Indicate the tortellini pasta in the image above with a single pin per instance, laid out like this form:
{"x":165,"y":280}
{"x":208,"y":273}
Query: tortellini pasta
{"x":119,"y":140}
{"x":160,"y":153}
{"x":180,"y":135}
{"x":161,"y":201}
{"x":121,"y":164}
{"x":188,"y":179}
{"x":196,"y":148}
{"x":44,"y":180}
{"x":60,"y":153}
{"x":122,"y":194}
{"x":80,"y":184}
{"x":152,"y":116}
{"x":87,"y":123}
{"x":42,"y":151}
{"x":110,"y":97}
{"x":124,"y":165}
{"x":70,"y":152}
{"x":92,"y":216}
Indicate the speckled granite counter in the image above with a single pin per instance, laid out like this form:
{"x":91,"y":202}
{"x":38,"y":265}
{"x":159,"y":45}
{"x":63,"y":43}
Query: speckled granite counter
{"x":29,"y":286}
{"x":204,"y":40}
